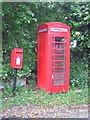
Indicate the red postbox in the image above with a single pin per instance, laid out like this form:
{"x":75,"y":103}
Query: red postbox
{"x":16,"y":58}
{"x":53,"y":57}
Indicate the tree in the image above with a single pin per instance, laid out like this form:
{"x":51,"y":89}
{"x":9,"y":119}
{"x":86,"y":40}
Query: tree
{"x":19,"y":28}
{"x":79,"y":21}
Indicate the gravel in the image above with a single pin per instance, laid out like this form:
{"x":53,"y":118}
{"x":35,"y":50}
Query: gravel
{"x":30,"y":111}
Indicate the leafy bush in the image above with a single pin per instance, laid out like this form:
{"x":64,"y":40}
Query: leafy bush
{"x":78,"y":75}
{"x":8,"y":90}
{"x":29,"y":63}
{"x":7,"y":73}
{"x":21,"y":32}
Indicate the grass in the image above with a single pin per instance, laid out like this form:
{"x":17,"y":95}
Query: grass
{"x":35,"y":96}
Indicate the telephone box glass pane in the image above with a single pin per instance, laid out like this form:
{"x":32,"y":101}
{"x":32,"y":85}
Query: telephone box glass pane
{"x":58,"y":64}
{"x":53,"y":45}
{"x":59,"y":82}
{"x":56,"y":70}
{"x":58,"y":57}
{"x":59,"y":39}
{"x":59,"y":76}
{"x":59,"y":45}
{"x":58,"y":51}
{"x":53,"y":39}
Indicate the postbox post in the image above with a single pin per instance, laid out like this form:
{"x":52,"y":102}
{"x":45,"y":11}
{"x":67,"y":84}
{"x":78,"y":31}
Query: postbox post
{"x":14,"y":80}
{"x":16,"y":63}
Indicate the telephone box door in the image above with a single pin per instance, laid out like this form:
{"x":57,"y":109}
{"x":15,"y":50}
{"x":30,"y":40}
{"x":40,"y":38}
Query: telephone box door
{"x":60,"y":63}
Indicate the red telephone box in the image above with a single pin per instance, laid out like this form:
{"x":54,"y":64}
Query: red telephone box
{"x":53,"y":57}
{"x":16,"y":58}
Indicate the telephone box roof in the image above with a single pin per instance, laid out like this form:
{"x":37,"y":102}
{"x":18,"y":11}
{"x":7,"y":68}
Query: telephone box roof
{"x":55,"y":23}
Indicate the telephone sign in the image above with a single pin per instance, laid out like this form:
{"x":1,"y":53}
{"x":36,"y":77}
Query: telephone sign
{"x":16,"y":58}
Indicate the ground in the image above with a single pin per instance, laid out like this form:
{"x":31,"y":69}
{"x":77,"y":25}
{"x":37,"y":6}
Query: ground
{"x":38,"y":111}
{"x":30,"y":111}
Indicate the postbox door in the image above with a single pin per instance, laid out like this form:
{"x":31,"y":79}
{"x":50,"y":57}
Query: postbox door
{"x":16,"y":58}
{"x":59,"y":53}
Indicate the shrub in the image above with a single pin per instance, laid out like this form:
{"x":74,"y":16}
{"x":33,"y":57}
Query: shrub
{"x":78,"y":75}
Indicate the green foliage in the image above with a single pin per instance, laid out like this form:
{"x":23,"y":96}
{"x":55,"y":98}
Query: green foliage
{"x":19,"y":29}
{"x":79,"y":21}
{"x":79,"y":75}
{"x":8,"y":90}
{"x":7,"y":73}
{"x":16,"y":33}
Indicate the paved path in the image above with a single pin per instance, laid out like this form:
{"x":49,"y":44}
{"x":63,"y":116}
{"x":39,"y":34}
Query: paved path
{"x":30,"y":111}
